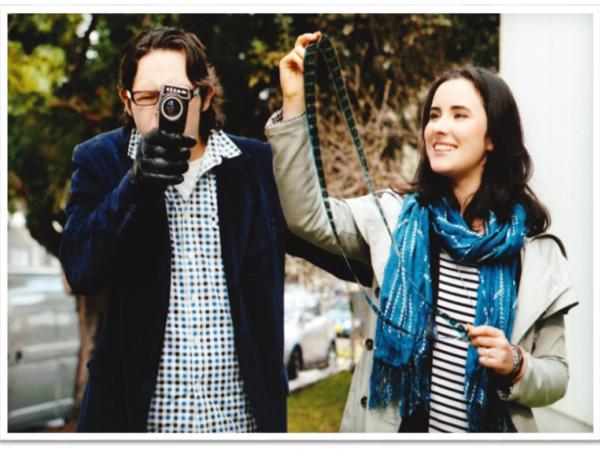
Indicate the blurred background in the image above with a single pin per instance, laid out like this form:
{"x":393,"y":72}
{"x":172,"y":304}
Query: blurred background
{"x":62,"y":73}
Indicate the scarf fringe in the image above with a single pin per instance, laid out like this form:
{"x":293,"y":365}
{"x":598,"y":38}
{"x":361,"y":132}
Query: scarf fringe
{"x":396,"y":385}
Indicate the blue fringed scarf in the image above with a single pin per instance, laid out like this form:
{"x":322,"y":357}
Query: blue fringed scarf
{"x":401,"y":360}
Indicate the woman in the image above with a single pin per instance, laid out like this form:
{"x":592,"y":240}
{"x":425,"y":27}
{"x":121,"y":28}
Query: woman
{"x":468,"y":248}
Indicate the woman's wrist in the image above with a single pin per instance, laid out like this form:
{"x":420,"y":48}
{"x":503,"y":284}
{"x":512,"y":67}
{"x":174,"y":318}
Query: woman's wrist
{"x":293,"y":106}
{"x":517,"y":362}
{"x":505,"y":383}
{"x":523,"y":366}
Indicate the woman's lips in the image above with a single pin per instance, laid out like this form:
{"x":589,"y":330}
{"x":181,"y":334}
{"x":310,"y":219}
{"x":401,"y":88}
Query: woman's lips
{"x":443,"y":147}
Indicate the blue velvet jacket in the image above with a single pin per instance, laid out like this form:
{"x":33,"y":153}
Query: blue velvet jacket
{"x":111,"y":242}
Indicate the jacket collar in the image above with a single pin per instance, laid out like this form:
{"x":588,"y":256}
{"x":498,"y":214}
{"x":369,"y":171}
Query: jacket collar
{"x":545,"y":286}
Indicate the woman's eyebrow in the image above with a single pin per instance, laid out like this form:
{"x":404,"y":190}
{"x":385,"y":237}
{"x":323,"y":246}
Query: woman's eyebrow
{"x":453,"y":107}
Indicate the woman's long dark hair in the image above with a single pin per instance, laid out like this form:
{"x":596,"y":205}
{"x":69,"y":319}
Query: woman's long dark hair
{"x":508,"y":167}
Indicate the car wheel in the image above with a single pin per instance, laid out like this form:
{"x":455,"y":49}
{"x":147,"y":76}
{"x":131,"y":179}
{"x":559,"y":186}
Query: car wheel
{"x":332,"y":356}
{"x":294,"y":364}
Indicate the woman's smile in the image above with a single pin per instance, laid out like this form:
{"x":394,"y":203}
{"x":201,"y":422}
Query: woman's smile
{"x":443,"y":147}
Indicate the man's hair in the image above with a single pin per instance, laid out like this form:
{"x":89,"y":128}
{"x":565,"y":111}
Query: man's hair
{"x":199,"y":71}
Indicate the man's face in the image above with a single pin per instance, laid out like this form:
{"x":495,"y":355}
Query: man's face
{"x":156,"y":68}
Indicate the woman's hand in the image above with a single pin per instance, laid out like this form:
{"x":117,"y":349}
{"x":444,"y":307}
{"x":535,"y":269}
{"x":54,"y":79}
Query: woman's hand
{"x":493,"y":348}
{"x":291,"y":75}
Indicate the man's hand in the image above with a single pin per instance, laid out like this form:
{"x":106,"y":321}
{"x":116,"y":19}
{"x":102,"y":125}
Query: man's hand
{"x":161,"y":160}
{"x":291,"y":75}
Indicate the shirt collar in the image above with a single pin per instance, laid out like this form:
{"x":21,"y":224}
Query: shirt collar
{"x":219,"y":146}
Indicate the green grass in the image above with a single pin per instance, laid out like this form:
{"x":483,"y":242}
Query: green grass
{"x":318,"y":408}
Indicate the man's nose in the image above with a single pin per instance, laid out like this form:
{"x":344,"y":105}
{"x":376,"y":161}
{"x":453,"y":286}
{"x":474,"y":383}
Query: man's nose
{"x":155,"y":116}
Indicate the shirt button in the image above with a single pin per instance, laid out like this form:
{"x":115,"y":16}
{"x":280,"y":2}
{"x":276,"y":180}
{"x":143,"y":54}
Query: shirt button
{"x":377,"y":291}
{"x":363,"y":402}
{"x":369,"y":344}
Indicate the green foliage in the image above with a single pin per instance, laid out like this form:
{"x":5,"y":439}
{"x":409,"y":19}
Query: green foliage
{"x":32,"y":79}
{"x":63,"y":68}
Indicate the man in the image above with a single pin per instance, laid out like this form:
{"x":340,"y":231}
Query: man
{"x":186,"y":232}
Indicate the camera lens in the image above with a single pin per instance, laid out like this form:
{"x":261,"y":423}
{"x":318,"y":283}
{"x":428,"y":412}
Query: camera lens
{"x":172,"y":108}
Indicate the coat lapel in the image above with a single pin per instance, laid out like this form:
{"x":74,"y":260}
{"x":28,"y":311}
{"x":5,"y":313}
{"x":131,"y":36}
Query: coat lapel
{"x":165,"y":251}
{"x":235,"y":200}
{"x":543,"y":281}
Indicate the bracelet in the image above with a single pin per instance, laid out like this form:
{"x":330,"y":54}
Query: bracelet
{"x":505,"y":383}
{"x":517,"y":362}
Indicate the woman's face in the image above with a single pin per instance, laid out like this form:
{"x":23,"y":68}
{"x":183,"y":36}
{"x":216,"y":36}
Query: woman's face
{"x":455,"y":135}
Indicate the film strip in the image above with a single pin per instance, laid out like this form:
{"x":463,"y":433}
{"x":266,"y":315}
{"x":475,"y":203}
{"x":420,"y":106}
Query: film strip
{"x":325,"y":48}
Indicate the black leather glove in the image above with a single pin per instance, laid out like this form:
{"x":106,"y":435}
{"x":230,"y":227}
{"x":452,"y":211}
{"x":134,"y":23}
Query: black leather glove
{"x":161,"y":160}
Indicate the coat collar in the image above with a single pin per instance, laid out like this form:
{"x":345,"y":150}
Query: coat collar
{"x":545,"y":286}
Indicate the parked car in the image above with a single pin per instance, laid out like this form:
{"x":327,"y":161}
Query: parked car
{"x":43,"y":348}
{"x":309,"y":334}
{"x":340,"y":314}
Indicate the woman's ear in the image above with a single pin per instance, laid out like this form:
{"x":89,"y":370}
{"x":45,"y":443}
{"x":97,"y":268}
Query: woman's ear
{"x":126,"y":101}
{"x":489,"y":145}
{"x":208,"y":92}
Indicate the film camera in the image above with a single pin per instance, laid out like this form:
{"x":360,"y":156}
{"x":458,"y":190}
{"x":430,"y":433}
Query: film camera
{"x":173,"y":107}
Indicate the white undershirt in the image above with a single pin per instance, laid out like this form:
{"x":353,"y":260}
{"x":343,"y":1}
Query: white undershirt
{"x":186,"y":187}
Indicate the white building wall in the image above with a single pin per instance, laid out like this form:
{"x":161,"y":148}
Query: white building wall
{"x":547,"y":61}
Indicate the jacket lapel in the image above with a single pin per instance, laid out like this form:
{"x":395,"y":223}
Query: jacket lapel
{"x":164,"y":250}
{"x":543,"y":281}
{"x":235,"y":200}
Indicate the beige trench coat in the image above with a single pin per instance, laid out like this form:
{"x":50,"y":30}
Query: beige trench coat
{"x":545,"y":293}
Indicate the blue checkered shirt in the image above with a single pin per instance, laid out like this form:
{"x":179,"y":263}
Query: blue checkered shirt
{"x":198,"y":386}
